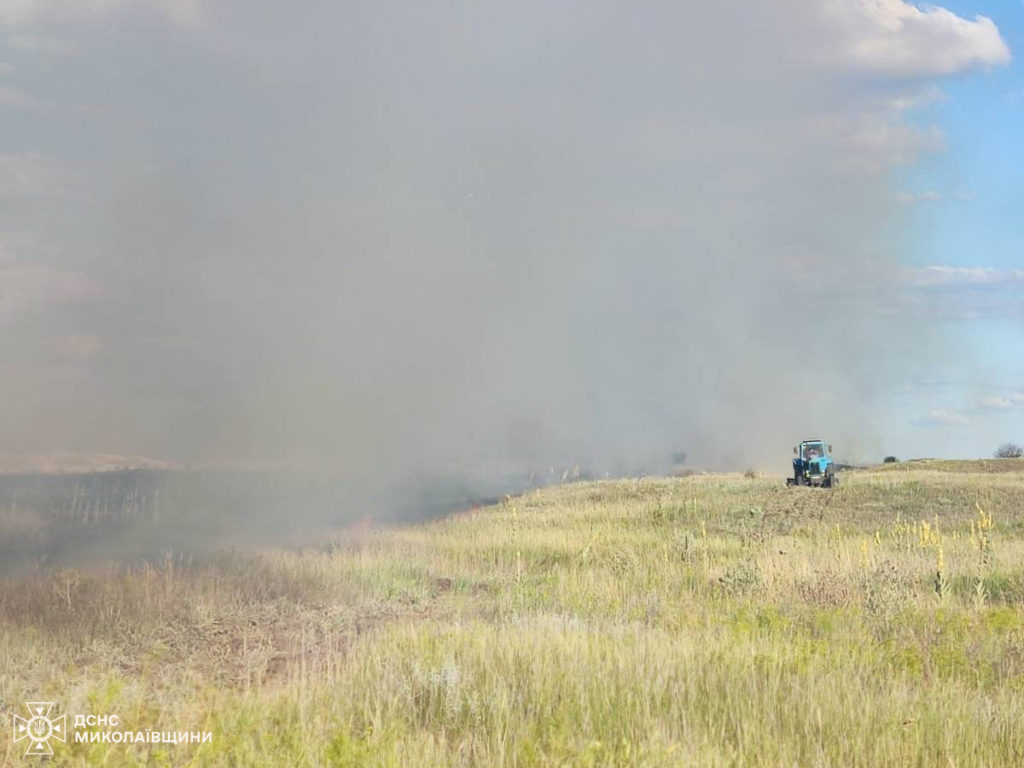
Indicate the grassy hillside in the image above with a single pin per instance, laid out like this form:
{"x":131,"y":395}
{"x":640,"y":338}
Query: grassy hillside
{"x":710,"y":620}
{"x":971,"y":466}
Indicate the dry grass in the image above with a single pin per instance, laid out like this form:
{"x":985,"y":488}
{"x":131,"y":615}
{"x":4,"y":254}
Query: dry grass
{"x":710,"y":620}
{"x":971,"y":466}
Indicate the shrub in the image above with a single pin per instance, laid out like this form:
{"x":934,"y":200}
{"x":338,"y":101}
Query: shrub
{"x":1009,"y":451}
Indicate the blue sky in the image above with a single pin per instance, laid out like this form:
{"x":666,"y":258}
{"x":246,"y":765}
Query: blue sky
{"x":971,"y":215}
{"x":982,"y":116}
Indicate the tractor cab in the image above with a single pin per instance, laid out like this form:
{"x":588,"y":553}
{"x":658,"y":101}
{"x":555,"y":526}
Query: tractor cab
{"x":813,"y":465}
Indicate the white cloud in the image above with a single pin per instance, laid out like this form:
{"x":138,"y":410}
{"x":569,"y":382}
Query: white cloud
{"x":887,"y":141}
{"x":917,"y":98}
{"x":957,"y":293}
{"x":932,"y":195}
{"x":901,"y":39}
{"x":962,"y":277}
{"x":1009,"y":402}
{"x":941,"y":418}
{"x":909,"y":198}
{"x":875,"y":138}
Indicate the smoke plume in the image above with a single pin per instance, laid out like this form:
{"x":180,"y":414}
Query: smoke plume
{"x":389,"y":239}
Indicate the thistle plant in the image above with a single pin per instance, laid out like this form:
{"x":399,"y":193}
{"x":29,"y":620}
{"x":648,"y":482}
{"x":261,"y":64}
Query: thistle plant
{"x":903,"y":533}
{"x":941,"y":581}
{"x":981,"y":540}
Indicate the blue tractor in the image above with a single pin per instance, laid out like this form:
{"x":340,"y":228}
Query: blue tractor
{"x":813,"y":465}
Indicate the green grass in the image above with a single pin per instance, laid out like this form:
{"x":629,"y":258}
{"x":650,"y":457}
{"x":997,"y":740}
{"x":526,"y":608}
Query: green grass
{"x":709,"y":620}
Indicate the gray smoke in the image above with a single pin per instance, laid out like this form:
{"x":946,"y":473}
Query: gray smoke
{"x":387,"y":239}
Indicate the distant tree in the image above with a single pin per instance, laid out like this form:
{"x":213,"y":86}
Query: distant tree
{"x":1009,"y":451}
{"x":889,"y":460}
{"x":679,"y":457}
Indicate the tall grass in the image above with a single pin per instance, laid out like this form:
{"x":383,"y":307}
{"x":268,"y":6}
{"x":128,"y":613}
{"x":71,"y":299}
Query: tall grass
{"x":711,"y":620}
